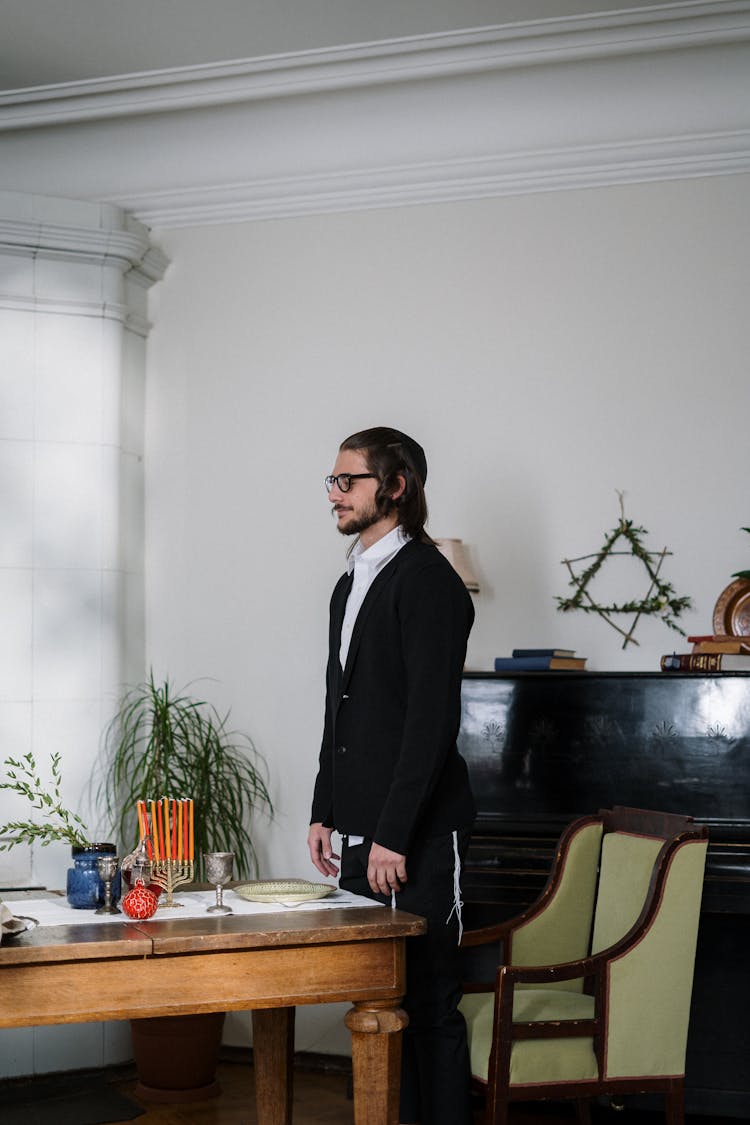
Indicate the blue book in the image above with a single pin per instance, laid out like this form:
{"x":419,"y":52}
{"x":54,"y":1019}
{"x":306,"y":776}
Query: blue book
{"x":539,"y":663}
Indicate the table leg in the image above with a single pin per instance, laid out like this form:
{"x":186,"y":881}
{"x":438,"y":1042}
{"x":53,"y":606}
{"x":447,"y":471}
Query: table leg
{"x":273,"y":1062}
{"x":376,"y":1060}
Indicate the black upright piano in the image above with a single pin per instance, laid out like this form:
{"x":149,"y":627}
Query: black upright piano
{"x":546,"y":747}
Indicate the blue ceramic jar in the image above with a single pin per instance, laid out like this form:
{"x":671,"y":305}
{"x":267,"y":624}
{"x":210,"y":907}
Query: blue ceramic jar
{"x":85,"y":890}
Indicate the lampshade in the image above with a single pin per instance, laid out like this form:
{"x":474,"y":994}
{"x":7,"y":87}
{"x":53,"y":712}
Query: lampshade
{"x":457,"y":555}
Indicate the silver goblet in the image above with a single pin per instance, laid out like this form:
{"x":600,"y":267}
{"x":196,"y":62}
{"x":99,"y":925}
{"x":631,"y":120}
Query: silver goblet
{"x":106,"y":866}
{"x":219,"y":872}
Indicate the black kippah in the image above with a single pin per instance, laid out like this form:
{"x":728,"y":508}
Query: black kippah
{"x":415,"y":454}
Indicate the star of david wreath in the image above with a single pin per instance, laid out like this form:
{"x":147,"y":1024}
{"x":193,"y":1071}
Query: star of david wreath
{"x":660,"y":597}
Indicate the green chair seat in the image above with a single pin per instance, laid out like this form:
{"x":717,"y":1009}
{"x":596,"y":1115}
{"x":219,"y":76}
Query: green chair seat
{"x":561,"y":1060}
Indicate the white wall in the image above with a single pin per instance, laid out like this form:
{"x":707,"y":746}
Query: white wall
{"x":547,"y":350}
{"x":73,"y":279}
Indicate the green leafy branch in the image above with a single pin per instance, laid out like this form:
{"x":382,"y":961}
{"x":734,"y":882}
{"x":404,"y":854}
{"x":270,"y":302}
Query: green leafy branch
{"x":60,"y":824}
{"x":742,"y":573}
{"x":660,"y":597}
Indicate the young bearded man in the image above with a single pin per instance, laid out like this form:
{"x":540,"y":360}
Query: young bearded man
{"x":390,"y":778}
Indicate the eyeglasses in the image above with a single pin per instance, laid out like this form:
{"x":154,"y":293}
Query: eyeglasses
{"x":343,"y":481}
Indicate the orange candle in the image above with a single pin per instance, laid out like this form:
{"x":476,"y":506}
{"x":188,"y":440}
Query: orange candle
{"x":146,"y":825}
{"x":174,"y":829}
{"x":191,"y":852}
{"x":180,"y":852}
{"x":155,"y":830}
{"x":141,"y":827}
{"x":164,"y":813}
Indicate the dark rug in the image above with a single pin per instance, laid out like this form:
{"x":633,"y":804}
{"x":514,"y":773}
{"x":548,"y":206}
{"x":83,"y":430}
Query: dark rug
{"x":80,"y":1099}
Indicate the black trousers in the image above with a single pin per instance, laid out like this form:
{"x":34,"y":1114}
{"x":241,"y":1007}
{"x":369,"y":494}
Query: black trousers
{"x":435,"y":1073}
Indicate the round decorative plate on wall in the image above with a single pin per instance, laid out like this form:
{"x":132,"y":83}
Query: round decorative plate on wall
{"x":732,"y":610}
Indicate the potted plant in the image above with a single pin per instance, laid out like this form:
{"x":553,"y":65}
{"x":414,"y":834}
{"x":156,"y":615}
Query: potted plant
{"x":163,"y":741}
{"x":85,"y":890}
{"x":743,"y":573}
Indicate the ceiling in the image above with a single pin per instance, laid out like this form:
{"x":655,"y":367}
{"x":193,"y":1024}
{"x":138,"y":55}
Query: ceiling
{"x":59,"y":41}
{"x":183,"y":113}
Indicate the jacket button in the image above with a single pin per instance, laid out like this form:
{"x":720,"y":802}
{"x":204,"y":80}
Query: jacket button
{"x":341,"y":749}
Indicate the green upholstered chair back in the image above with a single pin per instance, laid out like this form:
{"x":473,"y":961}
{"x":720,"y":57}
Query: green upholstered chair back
{"x":627,"y":864}
{"x":649,"y":986}
{"x":563,"y":931}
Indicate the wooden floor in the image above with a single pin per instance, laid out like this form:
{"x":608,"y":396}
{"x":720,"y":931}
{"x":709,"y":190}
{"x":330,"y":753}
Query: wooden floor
{"x":319,"y":1099}
{"x":322,"y":1098}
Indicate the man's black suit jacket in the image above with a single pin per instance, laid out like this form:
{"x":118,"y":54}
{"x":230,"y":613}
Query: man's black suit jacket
{"x":389,"y":767}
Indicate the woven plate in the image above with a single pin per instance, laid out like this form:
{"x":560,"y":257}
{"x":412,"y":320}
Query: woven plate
{"x":288,"y":892}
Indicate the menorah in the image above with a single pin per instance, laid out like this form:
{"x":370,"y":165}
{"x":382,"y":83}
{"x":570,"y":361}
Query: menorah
{"x":169,"y":874}
{"x":168,"y":837}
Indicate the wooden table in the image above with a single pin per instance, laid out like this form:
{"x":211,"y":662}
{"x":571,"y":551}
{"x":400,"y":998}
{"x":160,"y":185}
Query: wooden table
{"x":267,"y":963}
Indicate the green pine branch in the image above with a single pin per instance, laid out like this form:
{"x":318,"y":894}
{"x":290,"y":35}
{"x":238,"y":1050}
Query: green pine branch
{"x":660,"y":598}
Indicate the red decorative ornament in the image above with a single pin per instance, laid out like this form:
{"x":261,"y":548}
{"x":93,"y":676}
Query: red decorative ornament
{"x":140,"y":903}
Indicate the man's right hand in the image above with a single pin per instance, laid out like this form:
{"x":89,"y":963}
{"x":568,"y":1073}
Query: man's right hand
{"x":321,"y":852}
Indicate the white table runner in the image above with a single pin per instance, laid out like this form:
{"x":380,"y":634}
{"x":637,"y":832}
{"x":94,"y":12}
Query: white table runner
{"x":193,"y":904}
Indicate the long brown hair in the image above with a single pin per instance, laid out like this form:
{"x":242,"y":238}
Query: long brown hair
{"x":389,"y":454}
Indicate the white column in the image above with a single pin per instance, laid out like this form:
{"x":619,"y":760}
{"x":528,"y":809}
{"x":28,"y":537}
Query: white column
{"x":73,"y":283}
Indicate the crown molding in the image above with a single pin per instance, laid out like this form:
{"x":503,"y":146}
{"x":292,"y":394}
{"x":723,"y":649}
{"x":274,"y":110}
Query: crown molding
{"x":89,"y":234}
{"x":638,"y":95}
{"x":516,"y":174}
{"x":664,"y":27}
{"x":72,"y":243}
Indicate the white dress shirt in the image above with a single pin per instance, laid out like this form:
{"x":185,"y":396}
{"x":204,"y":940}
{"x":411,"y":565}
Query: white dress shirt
{"x":366,"y":564}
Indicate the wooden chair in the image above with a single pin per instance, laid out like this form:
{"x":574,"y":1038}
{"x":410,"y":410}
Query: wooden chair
{"x":593,"y":993}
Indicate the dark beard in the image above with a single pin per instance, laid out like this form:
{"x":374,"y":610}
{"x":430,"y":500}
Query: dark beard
{"x":357,"y":526}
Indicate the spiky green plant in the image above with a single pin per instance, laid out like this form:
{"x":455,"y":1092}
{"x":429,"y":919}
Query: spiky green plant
{"x":166,"y":742}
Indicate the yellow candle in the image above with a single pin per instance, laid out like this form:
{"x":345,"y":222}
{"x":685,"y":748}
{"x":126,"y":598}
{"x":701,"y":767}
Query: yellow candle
{"x":191,"y":855}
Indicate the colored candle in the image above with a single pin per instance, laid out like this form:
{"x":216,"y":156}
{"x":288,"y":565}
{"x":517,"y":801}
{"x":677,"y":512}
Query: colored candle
{"x":146,"y":825}
{"x":180,"y":851}
{"x":155,"y":829}
{"x":164,"y":829}
{"x":174,"y":829}
{"x":191,"y":855}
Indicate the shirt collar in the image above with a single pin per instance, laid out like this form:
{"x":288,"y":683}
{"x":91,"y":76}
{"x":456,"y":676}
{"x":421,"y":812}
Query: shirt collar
{"x":380,"y":552}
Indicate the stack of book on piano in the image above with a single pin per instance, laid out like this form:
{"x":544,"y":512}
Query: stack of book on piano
{"x":713,"y":653}
{"x":540,"y":660}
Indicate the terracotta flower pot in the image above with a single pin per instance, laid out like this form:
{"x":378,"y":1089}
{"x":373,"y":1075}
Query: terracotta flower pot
{"x":176,"y":1056}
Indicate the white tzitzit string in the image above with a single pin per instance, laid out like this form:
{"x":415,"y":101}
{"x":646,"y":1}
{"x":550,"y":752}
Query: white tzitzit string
{"x":457,"y":902}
